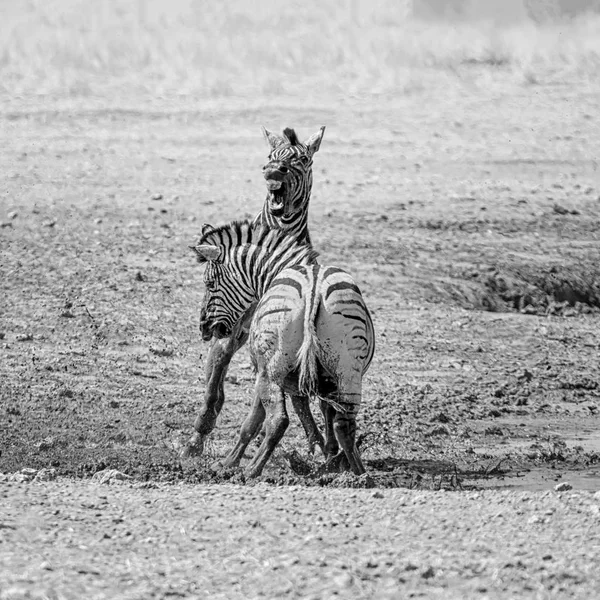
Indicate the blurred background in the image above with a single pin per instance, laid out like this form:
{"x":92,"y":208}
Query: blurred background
{"x":121,"y":49}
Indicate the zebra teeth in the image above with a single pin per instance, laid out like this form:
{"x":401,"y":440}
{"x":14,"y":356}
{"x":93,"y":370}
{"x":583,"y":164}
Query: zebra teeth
{"x":273,"y":185}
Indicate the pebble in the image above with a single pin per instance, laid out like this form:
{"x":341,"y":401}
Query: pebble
{"x":563,"y":487}
{"x":345,"y":580}
{"x":45,"y":475}
{"x":109,"y":476}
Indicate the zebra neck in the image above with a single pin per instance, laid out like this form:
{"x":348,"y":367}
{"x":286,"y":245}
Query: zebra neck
{"x":267,"y":268}
{"x":296,"y":225}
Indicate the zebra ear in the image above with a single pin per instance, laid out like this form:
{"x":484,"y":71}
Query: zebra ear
{"x":313,"y":143}
{"x":206,"y":252}
{"x":272,"y":139}
{"x":206,"y":228}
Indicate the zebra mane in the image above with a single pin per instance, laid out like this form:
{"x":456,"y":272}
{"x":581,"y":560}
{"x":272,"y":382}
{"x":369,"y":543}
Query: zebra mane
{"x":290,"y":134}
{"x":239,"y":234}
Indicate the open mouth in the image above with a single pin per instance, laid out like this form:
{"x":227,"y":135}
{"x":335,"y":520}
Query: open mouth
{"x":276,"y":197}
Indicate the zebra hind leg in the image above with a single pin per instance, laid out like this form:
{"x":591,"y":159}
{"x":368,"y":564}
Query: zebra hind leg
{"x":344,"y":427}
{"x":249,"y":430}
{"x":273,"y":401}
{"x":331,"y":444}
{"x":313,"y":435}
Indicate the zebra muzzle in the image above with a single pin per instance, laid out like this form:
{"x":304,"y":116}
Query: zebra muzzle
{"x":219,"y":331}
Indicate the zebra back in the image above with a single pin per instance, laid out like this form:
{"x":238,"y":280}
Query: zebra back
{"x":331,"y":293}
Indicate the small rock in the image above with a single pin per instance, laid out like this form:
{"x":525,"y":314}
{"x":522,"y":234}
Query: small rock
{"x":536,"y":520}
{"x":108,"y":476}
{"x":493,"y":430}
{"x":165,"y":352}
{"x":13,"y":214}
{"x":4,"y":224}
{"x":45,"y":475}
{"x":345,"y":580}
{"x":560,"y":210}
{"x":46,"y":444}
{"x":428,"y":573}
{"x":377,"y":495}
{"x":139,"y":276}
{"x":21,"y":477}
{"x":525,"y":375}
{"x":50,"y":223}
{"x":156,"y":197}
{"x":24,"y":337}
{"x":563,"y":487}
{"x":441,"y":418}
{"x":440,"y":430}
{"x":67,"y":314}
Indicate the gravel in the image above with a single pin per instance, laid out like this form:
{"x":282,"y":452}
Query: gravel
{"x":120,"y":539}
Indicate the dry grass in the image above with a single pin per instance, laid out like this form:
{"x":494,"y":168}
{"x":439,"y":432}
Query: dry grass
{"x":240,"y":48}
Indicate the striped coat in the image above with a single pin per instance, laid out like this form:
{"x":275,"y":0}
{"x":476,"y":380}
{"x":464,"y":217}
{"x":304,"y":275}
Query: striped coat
{"x":311,"y":333}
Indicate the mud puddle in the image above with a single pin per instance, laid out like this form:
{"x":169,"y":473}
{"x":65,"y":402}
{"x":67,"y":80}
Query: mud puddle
{"x":538,"y":455}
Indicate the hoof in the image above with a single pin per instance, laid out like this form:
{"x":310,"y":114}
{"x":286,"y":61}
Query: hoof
{"x":194,"y":448}
{"x":216,"y":466}
{"x":337,"y":463}
{"x":252,"y":473}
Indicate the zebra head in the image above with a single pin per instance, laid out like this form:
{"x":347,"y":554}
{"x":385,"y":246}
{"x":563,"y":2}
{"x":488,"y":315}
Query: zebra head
{"x":288,"y":173}
{"x":240,"y":262}
{"x":226,"y":298}
{"x":223,"y":304}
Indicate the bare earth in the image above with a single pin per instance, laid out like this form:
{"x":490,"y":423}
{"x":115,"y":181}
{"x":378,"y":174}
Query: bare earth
{"x":470,"y":218}
{"x":75,"y":540}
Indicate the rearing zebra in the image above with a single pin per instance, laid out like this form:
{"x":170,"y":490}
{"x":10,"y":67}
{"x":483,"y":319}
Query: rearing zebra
{"x":288,"y":176}
{"x":311,"y":333}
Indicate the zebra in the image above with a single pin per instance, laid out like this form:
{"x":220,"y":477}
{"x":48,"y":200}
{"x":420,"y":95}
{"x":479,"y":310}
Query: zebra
{"x":288,"y":177}
{"x":311,"y":334}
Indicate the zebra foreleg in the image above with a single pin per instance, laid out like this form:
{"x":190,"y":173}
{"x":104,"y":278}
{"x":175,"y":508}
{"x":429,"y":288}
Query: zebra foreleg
{"x":249,"y":430}
{"x":273,"y":400}
{"x":219,"y":356}
{"x":302,"y":408}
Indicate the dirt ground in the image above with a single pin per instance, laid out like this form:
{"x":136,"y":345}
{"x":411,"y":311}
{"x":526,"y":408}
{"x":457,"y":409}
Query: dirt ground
{"x":69,"y":539}
{"x":470,"y":220}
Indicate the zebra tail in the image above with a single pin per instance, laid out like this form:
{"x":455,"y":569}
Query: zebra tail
{"x":308,"y":353}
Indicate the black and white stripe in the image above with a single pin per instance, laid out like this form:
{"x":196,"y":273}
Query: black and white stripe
{"x":311,"y":333}
{"x":288,"y":175}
